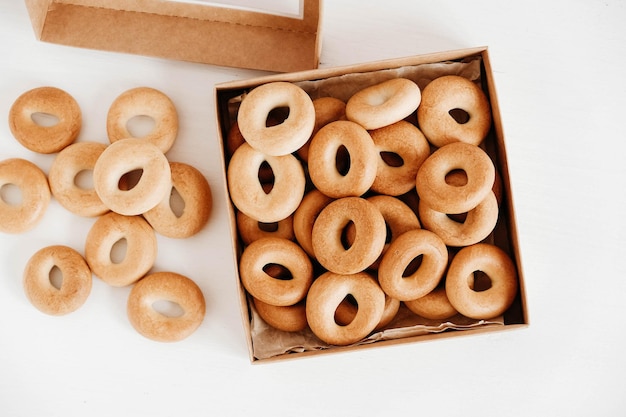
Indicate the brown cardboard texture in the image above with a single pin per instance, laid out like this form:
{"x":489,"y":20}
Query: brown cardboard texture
{"x":268,"y":344}
{"x":184,"y":31}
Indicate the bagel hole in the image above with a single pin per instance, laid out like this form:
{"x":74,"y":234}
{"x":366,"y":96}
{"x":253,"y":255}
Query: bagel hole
{"x":278,"y":271}
{"x":44,"y":119}
{"x":118,"y":251}
{"x":456,"y":178}
{"x":129,"y":180}
{"x":56,"y":277}
{"x":11,"y":194}
{"x":413,"y":266}
{"x":140,"y":126}
{"x":268,"y":227}
{"x":459,"y":115}
{"x":459,"y":218}
{"x":168,"y":308}
{"x":342,"y":160}
{"x":346,"y":310}
{"x":267,"y":188}
{"x":392,"y":159}
{"x":479,"y":281}
{"x":84,"y":179}
{"x":266,"y":177}
{"x":277,"y":116}
{"x":348,"y":235}
{"x":177,"y":204}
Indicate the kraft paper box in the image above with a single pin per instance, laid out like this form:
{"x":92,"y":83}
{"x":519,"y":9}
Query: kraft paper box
{"x":195,"y":31}
{"x":267,"y":344}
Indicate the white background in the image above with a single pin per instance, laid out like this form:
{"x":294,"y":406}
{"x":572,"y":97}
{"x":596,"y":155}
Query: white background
{"x":560,"y":70}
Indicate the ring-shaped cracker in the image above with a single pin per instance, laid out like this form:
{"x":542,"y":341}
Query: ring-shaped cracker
{"x":47,"y":101}
{"x":76,"y":280}
{"x":247,"y":193}
{"x":277,"y":291}
{"x":328,"y":291}
{"x":322,"y":162}
{"x":35,"y":195}
{"x":140,"y":254}
{"x":328,"y":232}
{"x":195,"y":192}
{"x":500,"y":269}
{"x":401,"y":253}
{"x":286,"y":137}
{"x":170,"y":287}
{"x":383,"y":104}
{"x":453,"y":92}
{"x":126,"y":156}
{"x":149,"y":102}
{"x":441,"y":196}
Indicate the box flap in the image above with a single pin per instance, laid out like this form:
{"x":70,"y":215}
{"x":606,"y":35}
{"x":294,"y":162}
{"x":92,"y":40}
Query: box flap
{"x":37,"y":9}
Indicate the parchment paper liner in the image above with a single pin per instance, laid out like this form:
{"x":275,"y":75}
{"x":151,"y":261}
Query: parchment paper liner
{"x":268,"y":341}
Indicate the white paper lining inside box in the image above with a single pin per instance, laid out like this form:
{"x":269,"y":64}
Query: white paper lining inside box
{"x":290,"y":8}
{"x":268,"y":342}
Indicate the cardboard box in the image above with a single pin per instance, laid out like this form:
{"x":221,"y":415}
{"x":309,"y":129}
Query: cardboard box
{"x":184,"y":31}
{"x":472,"y":63}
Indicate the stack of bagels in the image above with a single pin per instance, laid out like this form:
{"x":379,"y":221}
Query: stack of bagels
{"x":133,"y":183}
{"x":346,"y":210}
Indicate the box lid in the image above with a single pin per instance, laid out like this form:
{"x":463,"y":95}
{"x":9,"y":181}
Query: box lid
{"x":196,"y":32}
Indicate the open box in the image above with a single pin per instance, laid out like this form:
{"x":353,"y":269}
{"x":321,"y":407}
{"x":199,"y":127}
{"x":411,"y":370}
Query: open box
{"x":268,"y":344}
{"x":186,"y":30}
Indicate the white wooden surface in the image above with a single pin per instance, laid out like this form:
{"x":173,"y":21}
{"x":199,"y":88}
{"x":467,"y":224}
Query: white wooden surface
{"x":560,"y":71}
